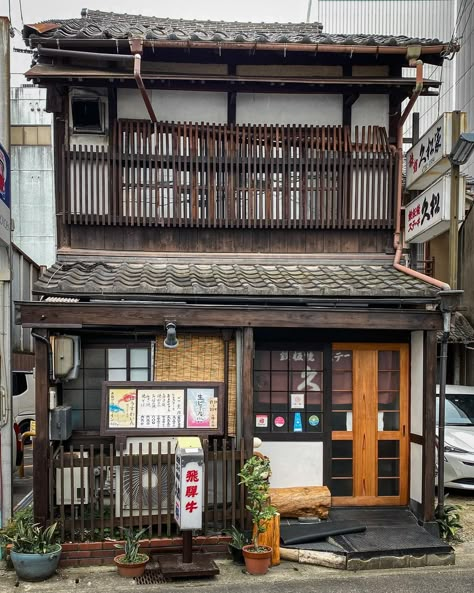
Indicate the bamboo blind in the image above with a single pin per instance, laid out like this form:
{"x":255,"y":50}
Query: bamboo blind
{"x":199,"y":358}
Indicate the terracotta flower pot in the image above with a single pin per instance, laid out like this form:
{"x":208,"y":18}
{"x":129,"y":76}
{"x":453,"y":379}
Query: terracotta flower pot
{"x":130,"y":570}
{"x":257,"y":563}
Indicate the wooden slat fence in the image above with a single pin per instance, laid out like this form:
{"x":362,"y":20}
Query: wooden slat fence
{"x":231,"y":176}
{"x":93,"y":491}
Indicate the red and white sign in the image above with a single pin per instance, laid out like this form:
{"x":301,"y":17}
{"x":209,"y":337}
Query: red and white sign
{"x":428,"y":158}
{"x":189,"y":460}
{"x":428,"y":215}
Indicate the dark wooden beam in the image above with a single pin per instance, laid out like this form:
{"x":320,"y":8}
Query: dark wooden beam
{"x":113,"y":314}
{"x":429,"y":424}
{"x":40,"y":451}
{"x":348,"y":101}
{"x":231,"y":98}
{"x":247,"y":390}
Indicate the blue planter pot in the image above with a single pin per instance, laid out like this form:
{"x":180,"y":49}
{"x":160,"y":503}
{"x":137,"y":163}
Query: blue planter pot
{"x":35,"y":567}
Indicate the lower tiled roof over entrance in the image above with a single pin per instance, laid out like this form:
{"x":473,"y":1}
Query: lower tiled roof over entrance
{"x":248,"y":279}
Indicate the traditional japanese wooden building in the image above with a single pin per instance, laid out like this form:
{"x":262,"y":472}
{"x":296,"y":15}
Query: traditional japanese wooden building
{"x":240,"y":183}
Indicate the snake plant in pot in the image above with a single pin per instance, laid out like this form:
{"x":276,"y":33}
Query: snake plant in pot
{"x":34,"y":551}
{"x":131,"y":563}
{"x":255,"y":475}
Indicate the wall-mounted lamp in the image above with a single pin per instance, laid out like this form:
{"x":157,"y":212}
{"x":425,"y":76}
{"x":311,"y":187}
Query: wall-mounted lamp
{"x":170,"y":341}
{"x":462,"y":149}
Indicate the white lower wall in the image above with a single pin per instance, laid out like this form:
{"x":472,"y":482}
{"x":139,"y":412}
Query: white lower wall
{"x":294,"y":464}
{"x":416,"y":381}
{"x":416,"y":472}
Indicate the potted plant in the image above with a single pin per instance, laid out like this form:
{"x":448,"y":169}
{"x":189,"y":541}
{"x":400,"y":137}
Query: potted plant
{"x":238,"y":541}
{"x":131,"y":563}
{"x":34,"y":551}
{"x":255,"y":476}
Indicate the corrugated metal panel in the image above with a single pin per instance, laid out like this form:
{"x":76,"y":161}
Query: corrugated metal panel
{"x":465,"y":72}
{"x":25,"y":273}
{"x":415,"y":18}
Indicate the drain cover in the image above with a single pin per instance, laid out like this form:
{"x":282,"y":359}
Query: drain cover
{"x":151,"y":577}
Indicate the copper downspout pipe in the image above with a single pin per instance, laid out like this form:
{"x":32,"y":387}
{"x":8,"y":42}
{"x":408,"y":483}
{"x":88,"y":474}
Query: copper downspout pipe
{"x":137,"y":64}
{"x":397,"y":243}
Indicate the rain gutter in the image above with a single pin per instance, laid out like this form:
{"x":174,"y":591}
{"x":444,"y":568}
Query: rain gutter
{"x":397,"y":242}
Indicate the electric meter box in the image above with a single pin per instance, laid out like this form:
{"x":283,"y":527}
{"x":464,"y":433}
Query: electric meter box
{"x":189,"y":483}
{"x":60,"y":423}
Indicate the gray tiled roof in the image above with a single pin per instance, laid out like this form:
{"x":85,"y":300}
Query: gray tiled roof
{"x":107,"y":25}
{"x":462,"y":331}
{"x":223,"y":279}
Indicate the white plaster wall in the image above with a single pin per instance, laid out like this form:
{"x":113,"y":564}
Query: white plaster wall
{"x":294,"y":464}
{"x":370,"y":110}
{"x":416,"y":376}
{"x":416,"y":471}
{"x":183,"y":106}
{"x":264,"y":108}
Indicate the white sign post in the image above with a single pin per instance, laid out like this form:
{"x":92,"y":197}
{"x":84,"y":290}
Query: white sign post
{"x":189,"y":460}
{"x":428,"y":215}
{"x":428,"y":158}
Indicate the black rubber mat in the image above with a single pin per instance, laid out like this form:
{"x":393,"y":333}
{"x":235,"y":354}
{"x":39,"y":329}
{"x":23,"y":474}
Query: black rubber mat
{"x":304,"y":533}
{"x":411,"y":539}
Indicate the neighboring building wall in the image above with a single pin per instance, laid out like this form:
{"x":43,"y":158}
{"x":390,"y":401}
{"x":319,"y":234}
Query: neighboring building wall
{"x":32,"y":174}
{"x":467,"y":284}
{"x":413,"y":18}
{"x":24,"y":274}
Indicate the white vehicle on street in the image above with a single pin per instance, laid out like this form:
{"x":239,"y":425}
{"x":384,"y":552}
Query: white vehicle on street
{"x":23,"y":400}
{"x":459,"y":437}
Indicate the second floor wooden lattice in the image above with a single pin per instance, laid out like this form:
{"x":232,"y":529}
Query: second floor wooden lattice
{"x":230,"y":176}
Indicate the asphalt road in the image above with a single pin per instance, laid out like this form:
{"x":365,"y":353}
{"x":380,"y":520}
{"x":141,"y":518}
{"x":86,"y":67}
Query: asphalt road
{"x":287,"y":578}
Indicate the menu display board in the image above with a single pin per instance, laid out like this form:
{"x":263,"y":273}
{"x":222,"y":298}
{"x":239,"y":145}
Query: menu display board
{"x":162,"y":408}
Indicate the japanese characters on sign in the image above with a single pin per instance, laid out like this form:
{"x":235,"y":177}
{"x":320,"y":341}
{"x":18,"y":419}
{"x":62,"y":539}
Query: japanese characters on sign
{"x":202,"y":409}
{"x":189,"y":460}
{"x":428,"y":215}
{"x":5,"y":197}
{"x":122,"y":408}
{"x":428,"y":158}
{"x":160,"y":408}
{"x":165,"y":408}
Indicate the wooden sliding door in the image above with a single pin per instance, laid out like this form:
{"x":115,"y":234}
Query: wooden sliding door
{"x":369,"y":416}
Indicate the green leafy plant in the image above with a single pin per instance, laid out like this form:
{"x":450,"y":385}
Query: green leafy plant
{"x":131,"y":546}
{"x":448,"y":520}
{"x":239,"y":538}
{"x":255,"y":477}
{"x":31,"y":538}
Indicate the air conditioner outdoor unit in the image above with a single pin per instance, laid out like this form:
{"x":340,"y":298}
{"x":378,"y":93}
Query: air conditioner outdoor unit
{"x":64,"y":485}
{"x":136,"y":487}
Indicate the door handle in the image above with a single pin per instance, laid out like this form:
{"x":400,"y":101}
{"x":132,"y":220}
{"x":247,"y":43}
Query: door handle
{"x":403,"y":430}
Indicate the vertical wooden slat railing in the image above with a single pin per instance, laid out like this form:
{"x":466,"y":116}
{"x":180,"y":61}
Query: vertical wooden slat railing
{"x":84,"y":485}
{"x":231,"y":176}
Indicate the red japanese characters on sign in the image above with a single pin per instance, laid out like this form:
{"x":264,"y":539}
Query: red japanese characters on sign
{"x":428,"y":214}
{"x":188,"y":483}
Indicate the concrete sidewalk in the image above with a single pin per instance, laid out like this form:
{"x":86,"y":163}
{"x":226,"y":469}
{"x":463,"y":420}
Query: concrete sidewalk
{"x":233,"y":578}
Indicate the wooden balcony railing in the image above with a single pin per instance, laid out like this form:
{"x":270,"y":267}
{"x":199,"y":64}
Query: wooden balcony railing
{"x":227,"y":176}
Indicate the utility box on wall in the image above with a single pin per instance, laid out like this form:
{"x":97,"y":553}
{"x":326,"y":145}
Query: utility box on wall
{"x":60,"y":423}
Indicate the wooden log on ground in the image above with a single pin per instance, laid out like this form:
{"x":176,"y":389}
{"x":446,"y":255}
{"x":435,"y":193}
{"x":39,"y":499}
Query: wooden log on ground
{"x":271,"y":537}
{"x":303,"y":501}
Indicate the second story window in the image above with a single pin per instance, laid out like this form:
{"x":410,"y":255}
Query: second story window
{"x":88,"y":112}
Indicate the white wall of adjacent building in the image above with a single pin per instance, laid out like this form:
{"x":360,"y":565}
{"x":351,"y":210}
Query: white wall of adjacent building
{"x":32,"y":174}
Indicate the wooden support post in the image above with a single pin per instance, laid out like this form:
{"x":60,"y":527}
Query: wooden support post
{"x":187,"y":546}
{"x":429,"y":425}
{"x":247,"y":390}
{"x":40,"y":451}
